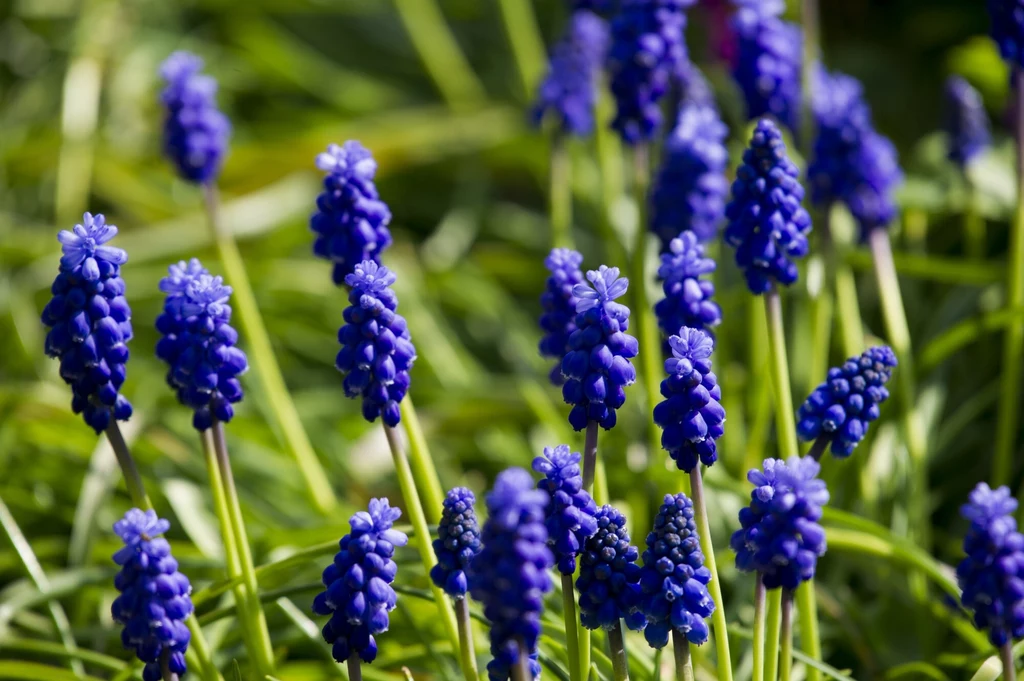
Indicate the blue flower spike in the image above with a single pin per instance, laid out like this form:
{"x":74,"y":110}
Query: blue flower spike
{"x":839,"y":410}
{"x":570,"y":514}
{"x":688,"y":297}
{"x":609,"y":580}
{"x":558,"y":320}
{"x":89,"y":322}
{"x":597,"y":366}
{"x":674,"y":580}
{"x":457,"y":543}
{"x":376,"y":350}
{"x":195,"y":131}
{"x":358,"y":594}
{"x":154,"y":597}
{"x":966,"y":122}
{"x":769,"y":61}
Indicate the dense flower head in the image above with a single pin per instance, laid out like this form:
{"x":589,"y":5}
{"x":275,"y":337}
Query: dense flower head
{"x":351,"y":221}
{"x":966,"y":122}
{"x":457,"y":543}
{"x":687,"y":300}
{"x":1007,"y":29}
{"x":851,"y":162}
{"x":674,"y":580}
{"x":647,"y":53}
{"x":90,"y":322}
{"x":195,"y":131}
{"x":779,"y":534}
{"x":769,"y":61}
{"x":154,"y":597}
{"x":358,"y":594}
{"x":198,"y":343}
{"x":570,"y":514}
{"x":376,"y":351}
{"x":767,"y":225}
{"x":609,"y":581}
{"x":569,"y":92}
{"x":843,"y":406}
{"x":992,"y":574}
{"x":689,"y":191}
{"x":511,"y":575}
{"x":558,"y":321}
{"x":691,"y":416}
{"x":597,"y":366}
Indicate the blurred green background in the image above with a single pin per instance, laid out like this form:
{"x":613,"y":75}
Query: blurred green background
{"x":439,"y":93}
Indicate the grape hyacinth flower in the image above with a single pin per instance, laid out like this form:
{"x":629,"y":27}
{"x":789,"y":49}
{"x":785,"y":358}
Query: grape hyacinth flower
{"x":154,"y":597}
{"x":647,"y":52}
{"x":90,"y":322}
{"x":769,"y":61}
{"x":687,"y":300}
{"x":691,"y":416}
{"x":1007,"y":30}
{"x":195,"y":131}
{"x":597,"y":366}
{"x":674,"y":580}
{"x":198,"y":343}
{"x":376,"y":351}
{"x":767,"y":225}
{"x":351,"y":222}
{"x":689,"y":191}
{"x":966,"y":123}
{"x":569,"y":92}
{"x":780,"y":536}
{"x":570,"y":514}
{"x":510,"y":575}
{"x":839,"y":410}
{"x":558,"y":321}
{"x":609,"y":576}
{"x":457,"y":543}
{"x":992,"y":574}
{"x":358,"y":594}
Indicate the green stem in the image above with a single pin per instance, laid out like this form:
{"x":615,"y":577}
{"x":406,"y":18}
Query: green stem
{"x":681,"y":650}
{"x":265,"y":365}
{"x":590,"y":455}
{"x":421,"y":536}
{"x":773,"y":634}
{"x":1013,"y":341}
{"x":617,"y":653}
{"x":129,"y":471}
{"x":609,"y":159}
{"x":263,"y":651}
{"x":467,"y":649}
{"x":521,"y":669}
{"x":974,"y":222}
{"x":786,"y":649}
{"x":851,"y":329}
{"x":165,"y":669}
{"x":424,"y":471}
{"x":807,"y":611}
{"x":718,"y":622}
{"x":524,"y":38}
{"x":560,"y":198}
{"x":759,"y":603}
{"x":785,"y":419}
{"x":355,"y":668}
{"x":1006,"y":657}
{"x":572,"y":643}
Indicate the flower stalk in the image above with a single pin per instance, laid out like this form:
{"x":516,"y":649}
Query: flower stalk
{"x":467,"y":649}
{"x":572,"y":643}
{"x":681,"y":651}
{"x":773,"y":634}
{"x":786,"y":646}
{"x":759,"y":622}
{"x":424,"y":471}
{"x":617,"y":652}
{"x":560,"y":197}
{"x":355,"y":668}
{"x":590,"y":456}
{"x":718,"y":621}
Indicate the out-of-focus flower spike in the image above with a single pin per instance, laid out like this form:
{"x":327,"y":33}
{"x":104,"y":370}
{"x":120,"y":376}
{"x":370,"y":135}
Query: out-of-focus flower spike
{"x":195,"y":131}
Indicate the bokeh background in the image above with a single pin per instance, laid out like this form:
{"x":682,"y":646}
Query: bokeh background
{"x":440,"y":93}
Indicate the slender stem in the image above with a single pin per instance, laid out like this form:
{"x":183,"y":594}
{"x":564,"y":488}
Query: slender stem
{"x":759,"y":603}
{"x":427,"y":481}
{"x":1013,"y":341}
{"x":467,"y":649}
{"x":786,"y":650}
{"x":521,"y":668}
{"x":974,"y":222}
{"x":421,"y":536}
{"x":718,"y":622}
{"x":785,"y":419}
{"x":1006,"y":657}
{"x":807,"y":611}
{"x":851,"y":328}
{"x":609,"y":159}
{"x":355,"y":668}
{"x":818,"y":448}
{"x":130,"y":472}
{"x":810,"y":25}
{"x":590,"y":455}
{"x":263,"y":652}
{"x":681,"y":650}
{"x":560,"y":197}
{"x":572,"y":643}
{"x":617,"y":651}
{"x":773,"y":632}
{"x":600,"y":492}
{"x":524,"y":37}
{"x":165,"y":669}
{"x":266,"y":368}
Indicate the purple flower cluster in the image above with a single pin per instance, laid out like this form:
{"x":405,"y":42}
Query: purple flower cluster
{"x":569,"y":92}
{"x":510,"y":575}
{"x":609,"y":581}
{"x":558,"y":321}
{"x":966,"y":122}
{"x":351,"y":222}
{"x":687,"y":300}
{"x":674,"y":580}
{"x":597,"y":366}
{"x":457,"y":543}
{"x":198,"y":343}
{"x":376,"y":351}
{"x":1007,"y":29}
{"x":769,"y":61}
{"x":767,"y":225}
{"x":195,"y":131}
{"x":90,"y":322}
{"x":779,"y":534}
{"x":570,"y":514}
{"x":844,"y":405}
{"x":154,"y":600}
{"x":992,"y":574}
{"x":358,"y":594}
{"x":691,"y":416}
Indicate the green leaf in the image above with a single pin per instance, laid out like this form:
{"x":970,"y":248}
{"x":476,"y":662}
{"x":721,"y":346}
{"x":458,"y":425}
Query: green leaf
{"x":32,"y":671}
